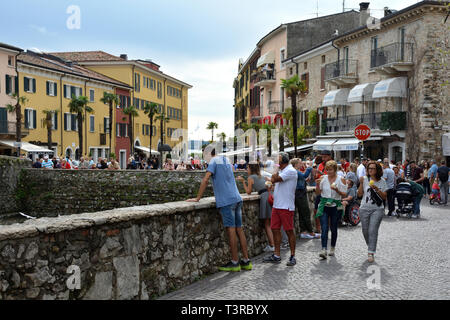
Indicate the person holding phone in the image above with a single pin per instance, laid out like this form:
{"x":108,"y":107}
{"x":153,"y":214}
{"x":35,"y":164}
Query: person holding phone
{"x":373,"y":189}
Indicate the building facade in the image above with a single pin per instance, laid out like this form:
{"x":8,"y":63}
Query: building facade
{"x":148,"y":84}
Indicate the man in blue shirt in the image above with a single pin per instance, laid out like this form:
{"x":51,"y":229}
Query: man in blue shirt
{"x":229,"y":203}
{"x":432,"y":173}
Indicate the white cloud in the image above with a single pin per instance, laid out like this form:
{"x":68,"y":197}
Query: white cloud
{"x":42,"y":30}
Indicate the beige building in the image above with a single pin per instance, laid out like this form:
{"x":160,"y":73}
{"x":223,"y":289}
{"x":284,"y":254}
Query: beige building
{"x":391,"y":76}
{"x":8,"y":86}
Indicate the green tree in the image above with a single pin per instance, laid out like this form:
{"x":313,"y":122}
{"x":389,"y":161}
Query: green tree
{"x":17,"y":108}
{"x":79,"y":105}
{"x":111,"y":100}
{"x":131,"y":112}
{"x":293,"y":88}
{"x":222,"y":136}
{"x":211,"y":126}
{"x":48,"y":123}
{"x":151,"y":110}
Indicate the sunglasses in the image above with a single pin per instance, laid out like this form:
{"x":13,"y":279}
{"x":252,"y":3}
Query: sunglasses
{"x":372,"y":168}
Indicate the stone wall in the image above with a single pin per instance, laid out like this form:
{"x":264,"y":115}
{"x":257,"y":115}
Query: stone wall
{"x":10,"y":169}
{"x":127,"y":253}
{"x":53,"y":192}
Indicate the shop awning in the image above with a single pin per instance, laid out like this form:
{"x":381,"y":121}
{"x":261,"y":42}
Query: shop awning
{"x":325,"y":144}
{"x":146,"y":150}
{"x":393,"y":87}
{"x":268,"y":58}
{"x":299,"y":148}
{"x":361,"y":92}
{"x":446,"y":144}
{"x":336,"y":98}
{"x":26,"y":146}
{"x":346,"y":144}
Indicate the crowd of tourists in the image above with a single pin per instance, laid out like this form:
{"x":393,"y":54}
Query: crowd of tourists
{"x":283,"y":191}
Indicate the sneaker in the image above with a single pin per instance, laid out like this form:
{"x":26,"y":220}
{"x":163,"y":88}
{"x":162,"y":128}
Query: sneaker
{"x":317,"y":235}
{"x":285,"y":246}
{"x":246,"y":265}
{"x":331,"y":254}
{"x":323,"y":254}
{"x":394,"y":214}
{"x":230,"y":267}
{"x":292,"y":262}
{"x":269,"y":249}
{"x":272,"y":259}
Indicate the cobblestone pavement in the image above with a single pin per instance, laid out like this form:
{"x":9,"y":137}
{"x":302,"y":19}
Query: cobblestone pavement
{"x":413,"y":258}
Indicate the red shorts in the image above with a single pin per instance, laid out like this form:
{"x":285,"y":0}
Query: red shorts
{"x":282,"y":217}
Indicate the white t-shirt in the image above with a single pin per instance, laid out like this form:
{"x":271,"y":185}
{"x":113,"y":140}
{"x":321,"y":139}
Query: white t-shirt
{"x":361,"y":172}
{"x":284,"y":194}
{"x":329,"y":193}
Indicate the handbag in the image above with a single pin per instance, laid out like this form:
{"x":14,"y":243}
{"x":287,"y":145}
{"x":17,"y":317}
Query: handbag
{"x":270,"y":199}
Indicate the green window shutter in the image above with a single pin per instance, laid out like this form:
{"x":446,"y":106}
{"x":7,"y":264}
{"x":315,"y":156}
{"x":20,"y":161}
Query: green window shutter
{"x":56,"y":121}
{"x":34,"y":85}
{"x":26,"y":84}
{"x":47,"y":87}
{"x":65,"y":92}
{"x":8,"y":84}
{"x":16,"y":85}
{"x":65,"y":121}
{"x":26,"y":119}
{"x":34,"y":119}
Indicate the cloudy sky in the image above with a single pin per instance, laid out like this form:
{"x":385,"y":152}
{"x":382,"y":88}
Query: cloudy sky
{"x":197,"y":41}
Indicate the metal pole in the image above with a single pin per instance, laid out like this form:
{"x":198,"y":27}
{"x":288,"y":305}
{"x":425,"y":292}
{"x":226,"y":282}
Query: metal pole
{"x":362,"y":150}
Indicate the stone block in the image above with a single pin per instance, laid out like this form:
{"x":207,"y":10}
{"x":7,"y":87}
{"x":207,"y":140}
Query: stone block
{"x":127,"y":270}
{"x":102,"y":288}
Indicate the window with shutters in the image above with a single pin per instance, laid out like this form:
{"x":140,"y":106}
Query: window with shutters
{"x":324,"y":59}
{"x":11,"y":61}
{"x":159,"y":90}
{"x":91,"y":95}
{"x":54,"y":121}
{"x":29,"y":85}
{"x":30,"y":118}
{"x":305,"y":78}
{"x":9,"y":81}
{"x":137,"y":82}
{"x":106,"y":125}
{"x":322,"y":78}
{"x":52,"y":90}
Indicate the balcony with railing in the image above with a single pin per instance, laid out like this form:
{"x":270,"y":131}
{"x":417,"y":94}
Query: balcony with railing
{"x":264,"y":78}
{"x":386,"y":121}
{"x":8,"y":129}
{"x":342,"y":72}
{"x":276,"y":107}
{"x":393,"y":58}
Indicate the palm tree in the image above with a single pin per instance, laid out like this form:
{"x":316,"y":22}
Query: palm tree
{"x":131,"y":112}
{"x":162,"y":117}
{"x":293,"y":87}
{"x":151,"y":110}
{"x":49,"y":124}
{"x":222,"y":136}
{"x":110,"y":99}
{"x":17,"y":108}
{"x":79,"y":106}
{"x":212,"y":126}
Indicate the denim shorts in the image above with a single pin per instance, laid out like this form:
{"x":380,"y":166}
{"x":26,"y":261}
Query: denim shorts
{"x":232,"y":215}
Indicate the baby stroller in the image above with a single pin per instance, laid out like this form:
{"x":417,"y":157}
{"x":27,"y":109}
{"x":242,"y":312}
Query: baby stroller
{"x":405,"y":199}
{"x":351,"y":215}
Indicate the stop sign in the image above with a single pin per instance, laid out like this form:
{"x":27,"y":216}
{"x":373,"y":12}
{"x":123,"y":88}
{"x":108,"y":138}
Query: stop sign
{"x":362,"y":132}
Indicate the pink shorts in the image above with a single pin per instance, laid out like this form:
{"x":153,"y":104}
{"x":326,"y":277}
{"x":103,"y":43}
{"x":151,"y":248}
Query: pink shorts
{"x":282,"y":217}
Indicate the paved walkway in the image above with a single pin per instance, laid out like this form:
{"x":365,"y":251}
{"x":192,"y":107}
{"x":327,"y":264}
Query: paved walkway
{"x":413,"y":263}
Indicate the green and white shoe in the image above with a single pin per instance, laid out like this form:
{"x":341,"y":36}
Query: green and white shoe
{"x":230,"y":267}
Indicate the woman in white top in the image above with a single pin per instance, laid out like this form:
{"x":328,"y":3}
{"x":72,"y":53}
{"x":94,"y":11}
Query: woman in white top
{"x":332,"y":189}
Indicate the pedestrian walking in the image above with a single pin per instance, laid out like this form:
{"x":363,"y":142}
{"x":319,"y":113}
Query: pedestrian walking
{"x":301,"y":201}
{"x":443,"y":176}
{"x":332,"y":189}
{"x":373,"y":189}
{"x":257,"y":183}
{"x":361,"y":171}
{"x":285,"y":181}
{"x":229,"y":203}
{"x":426,"y":181}
{"x":389,"y":177}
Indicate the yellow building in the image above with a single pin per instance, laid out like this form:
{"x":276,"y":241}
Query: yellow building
{"x":241,"y":87}
{"x":149,"y":84}
{"x":48,"y":83}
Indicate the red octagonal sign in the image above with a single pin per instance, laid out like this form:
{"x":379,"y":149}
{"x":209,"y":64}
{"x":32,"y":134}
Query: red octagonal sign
{"x":362,"y":132}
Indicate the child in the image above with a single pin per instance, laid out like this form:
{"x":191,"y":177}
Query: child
{"x":351,"y":194}
{"x":435,"y":190}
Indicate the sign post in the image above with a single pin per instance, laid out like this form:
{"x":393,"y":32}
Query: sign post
{"x":362,"y":133}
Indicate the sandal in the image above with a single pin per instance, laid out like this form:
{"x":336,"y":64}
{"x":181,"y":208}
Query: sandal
{"x":371,"y":259}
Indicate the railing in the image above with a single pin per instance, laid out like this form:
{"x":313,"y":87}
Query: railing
{"x":341,"y":68}
{"x":276,"y":107}
{"x":395,"y":52}
{"x":263,"y":76}
{"x":10,"y":128}
{"x":395,"y":121}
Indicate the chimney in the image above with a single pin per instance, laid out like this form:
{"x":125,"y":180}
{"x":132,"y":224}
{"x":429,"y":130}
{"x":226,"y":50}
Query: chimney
{"x":124,"y":56}
{"x":364,"y":13}
{"x":387,"y":11}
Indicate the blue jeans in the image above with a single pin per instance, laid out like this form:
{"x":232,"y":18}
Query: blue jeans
{"x":232,"y":215}
{"x":333,"y":215}
{"x":417,"y":201}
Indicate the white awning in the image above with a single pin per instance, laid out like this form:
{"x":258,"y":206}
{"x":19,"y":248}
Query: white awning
{"x":146,"y":150}
{"x":299,"y":148}
{"x":346,"y":144}
{"x":27,"y":147}
{"x":362,"y":92}
{"x":446,"y":144}
{"x":325,"y":144}
{"x":268,"y":58}
{"x":393,"y":87}
{"x":336,"y":98}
